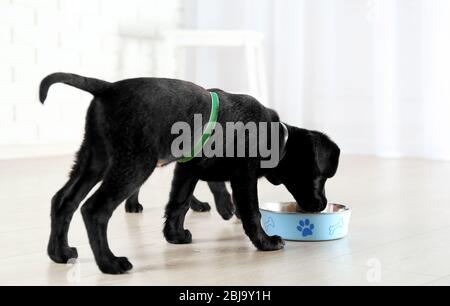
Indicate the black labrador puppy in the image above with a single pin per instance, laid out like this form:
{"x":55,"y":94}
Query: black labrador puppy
{"x":128,"y":132}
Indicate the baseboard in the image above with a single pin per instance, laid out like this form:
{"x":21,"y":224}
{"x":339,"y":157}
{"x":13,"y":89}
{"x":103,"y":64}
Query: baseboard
{"x":38,"y":150}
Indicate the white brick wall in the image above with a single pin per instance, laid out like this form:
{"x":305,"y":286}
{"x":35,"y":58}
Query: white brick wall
{"x":38,"y":37}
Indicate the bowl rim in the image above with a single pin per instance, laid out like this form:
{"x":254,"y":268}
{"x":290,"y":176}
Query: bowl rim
{"x":345,"y":209}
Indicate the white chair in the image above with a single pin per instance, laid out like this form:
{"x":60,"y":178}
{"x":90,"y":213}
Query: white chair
{"x":166,"y":44}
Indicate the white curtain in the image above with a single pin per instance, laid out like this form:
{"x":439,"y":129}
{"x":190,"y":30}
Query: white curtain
{"x":373,"y":74}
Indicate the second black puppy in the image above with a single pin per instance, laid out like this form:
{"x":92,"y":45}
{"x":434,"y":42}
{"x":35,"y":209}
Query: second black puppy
{"x":128,"y":131}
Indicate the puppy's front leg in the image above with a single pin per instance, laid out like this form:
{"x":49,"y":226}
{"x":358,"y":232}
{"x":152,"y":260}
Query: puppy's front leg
{"x":222,"y":197}
{"x":183,"y":186}
{"x":245,"y":193}
{"x":132,"y":204}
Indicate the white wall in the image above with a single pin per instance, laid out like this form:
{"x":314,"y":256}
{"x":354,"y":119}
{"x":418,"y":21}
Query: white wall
{"x":38,"y":37}
{"x":374,"y":74}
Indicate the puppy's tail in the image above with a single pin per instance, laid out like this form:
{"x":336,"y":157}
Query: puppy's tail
{"x":93,"y":86}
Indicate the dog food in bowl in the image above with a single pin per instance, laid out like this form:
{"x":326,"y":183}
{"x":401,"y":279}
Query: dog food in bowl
{"x":284,"y":219}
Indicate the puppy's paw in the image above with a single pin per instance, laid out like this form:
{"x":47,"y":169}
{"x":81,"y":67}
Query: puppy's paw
{"x":115,"y":265}
{"x":133,"y":208}
{"x":199,"y":206}
{"x":184,"y":237}
{"x":270,"y":243}
{"x":226,"y":209}
{"x":62,"y":255}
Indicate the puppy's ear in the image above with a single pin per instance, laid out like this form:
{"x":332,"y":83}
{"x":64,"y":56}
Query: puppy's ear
{"x":326,"y":153}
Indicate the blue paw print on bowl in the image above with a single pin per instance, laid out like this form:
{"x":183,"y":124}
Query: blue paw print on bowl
{"x":305,"y":227}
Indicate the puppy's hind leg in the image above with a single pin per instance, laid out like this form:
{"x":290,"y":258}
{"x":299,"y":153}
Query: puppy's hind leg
{"x":132,"y":205}
{"x":199,"y":206}
{"x":222,"y":198}
{"x":87,"y":172}
{"x":122,"y":179}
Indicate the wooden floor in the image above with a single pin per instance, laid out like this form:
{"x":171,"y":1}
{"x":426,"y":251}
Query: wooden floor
{"x":399,"y":235}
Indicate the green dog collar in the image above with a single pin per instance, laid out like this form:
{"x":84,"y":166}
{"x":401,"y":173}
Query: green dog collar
{"x":208,"y":131}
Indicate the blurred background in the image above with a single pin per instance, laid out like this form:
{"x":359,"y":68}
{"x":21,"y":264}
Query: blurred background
{"x":373,"y":74}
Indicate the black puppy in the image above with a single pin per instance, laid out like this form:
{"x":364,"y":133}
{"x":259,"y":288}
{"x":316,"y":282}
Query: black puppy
{"x":128,"y":131}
